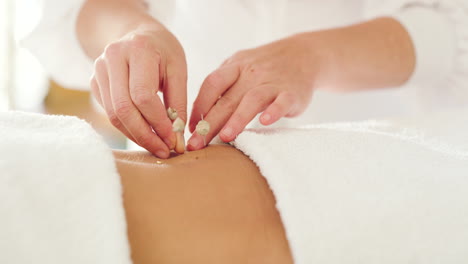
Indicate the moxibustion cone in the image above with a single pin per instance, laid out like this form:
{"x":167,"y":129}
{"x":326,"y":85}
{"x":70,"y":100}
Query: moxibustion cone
{"x":203,"y":127}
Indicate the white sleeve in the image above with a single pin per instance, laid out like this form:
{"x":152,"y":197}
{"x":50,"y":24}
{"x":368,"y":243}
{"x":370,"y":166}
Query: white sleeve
{"x":54,"y":42}
{"x":439,"y":31}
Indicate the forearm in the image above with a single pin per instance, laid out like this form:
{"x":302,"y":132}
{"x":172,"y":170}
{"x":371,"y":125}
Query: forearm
{"x":101,"y":22}
{"x":371,"y":55}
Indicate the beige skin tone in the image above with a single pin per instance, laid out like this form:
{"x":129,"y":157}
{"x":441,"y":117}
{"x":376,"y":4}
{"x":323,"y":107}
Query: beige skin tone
{"x":208,"y":206}
{"x":136,"y":56}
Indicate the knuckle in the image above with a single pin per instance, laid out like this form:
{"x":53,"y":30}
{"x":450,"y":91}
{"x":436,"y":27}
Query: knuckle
{"x":122,"y":108}
{"x":114,"y":119}
{"x":227,"y":61}
{"x":181,"y":111}
{"x":237,"y":58}
{"x":140,"y":41}
{"x":112,"y":50}
{"x":164,"y":131}
{"x":140,"y":96}
{"x":99,"y":64}
{"x":227,"y":103}
{"x":256,"y":95}
{"x":144,"y":139}
{"x":240,"y":119}
{"x":213,"y":80}
{"x":289,"y":97}
{"x":239,"y":54}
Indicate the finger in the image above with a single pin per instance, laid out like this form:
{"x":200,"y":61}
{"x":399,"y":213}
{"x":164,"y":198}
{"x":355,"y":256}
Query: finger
{"x":175,"y":92}
{"x":212,"y":88}
{"x":144,"y":85}
{"x":102,"y":79}
{"x":217,"y":116}
{"x":283,"y":105}
{"x":180,"y":145}
{"x":95,"y":90}
{"x":127,"y":114}
{"x":254,"y":102}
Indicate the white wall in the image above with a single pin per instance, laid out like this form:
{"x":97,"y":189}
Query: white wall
{"x":5,"y":53}
{"x":30,"y":80}
{"x":23,"y":82}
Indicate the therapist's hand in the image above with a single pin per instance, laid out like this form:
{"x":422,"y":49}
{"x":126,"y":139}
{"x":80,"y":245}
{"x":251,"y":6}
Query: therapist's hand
{"x":127,"y":77}
{"x":276,"y":79}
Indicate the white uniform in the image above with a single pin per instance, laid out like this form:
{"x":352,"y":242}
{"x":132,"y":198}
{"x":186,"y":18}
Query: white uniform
{"x":212,"y":30}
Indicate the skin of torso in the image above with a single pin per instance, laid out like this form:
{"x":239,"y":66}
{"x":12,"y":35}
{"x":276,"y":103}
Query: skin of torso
{"x":208,"y":206}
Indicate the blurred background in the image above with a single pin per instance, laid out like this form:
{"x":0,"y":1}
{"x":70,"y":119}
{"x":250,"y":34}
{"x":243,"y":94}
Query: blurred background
{"x":25,"y":86}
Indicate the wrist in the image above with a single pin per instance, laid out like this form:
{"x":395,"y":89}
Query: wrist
{"x":319,"y":57}
{"x":102,"y":22}
{"x":144,"y":25}
{"x":370,"y":55}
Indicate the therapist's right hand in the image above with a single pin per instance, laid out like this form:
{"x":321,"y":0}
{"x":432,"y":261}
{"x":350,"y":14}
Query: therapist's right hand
{"x":127,"y":77}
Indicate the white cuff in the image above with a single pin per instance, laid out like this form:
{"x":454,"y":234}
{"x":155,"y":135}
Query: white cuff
{"x":434,"y":40}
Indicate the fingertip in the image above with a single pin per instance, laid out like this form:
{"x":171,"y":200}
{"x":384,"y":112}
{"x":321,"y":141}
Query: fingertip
{"x":180,"y":145}
{"x":227,"y":134}
{"x":266,"y":119}
{"x":274,"y":112}
{"x":170,"y":141}
{"x":162,"y":154}
{"x":157,"y":147}
{"x":195,"y":143}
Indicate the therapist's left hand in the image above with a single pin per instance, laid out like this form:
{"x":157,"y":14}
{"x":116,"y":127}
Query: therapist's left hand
{"x":276,"y":79}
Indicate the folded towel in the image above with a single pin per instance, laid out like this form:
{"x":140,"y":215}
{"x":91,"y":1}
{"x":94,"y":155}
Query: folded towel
{"x":370,"y":192}
{"x":60,"y":194}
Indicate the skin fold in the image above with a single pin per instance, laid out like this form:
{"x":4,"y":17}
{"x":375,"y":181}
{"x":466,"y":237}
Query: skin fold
{"x":207,"y":206}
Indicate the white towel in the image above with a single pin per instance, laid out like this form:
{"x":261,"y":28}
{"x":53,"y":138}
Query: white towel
{"x":373,"y":192}
{"x":60,"y":194}
{"x":370,"y":192}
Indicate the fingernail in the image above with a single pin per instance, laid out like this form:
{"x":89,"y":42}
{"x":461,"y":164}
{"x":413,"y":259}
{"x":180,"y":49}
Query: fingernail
{"x":228,"y":132}
{"x":180,"y":145}
{"x":195,"y":143}
{"x":162,"y":154}
{"x":266,"y":117}
{"x":170,"y":142}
